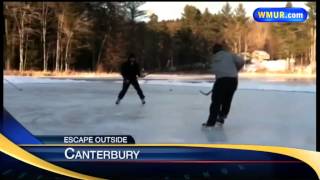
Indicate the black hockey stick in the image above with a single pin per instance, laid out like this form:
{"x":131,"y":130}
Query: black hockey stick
{"x":19,"y":89}
{"x":206,"y":93}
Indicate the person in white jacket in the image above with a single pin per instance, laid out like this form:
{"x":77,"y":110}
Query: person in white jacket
{"x":225,"y":67}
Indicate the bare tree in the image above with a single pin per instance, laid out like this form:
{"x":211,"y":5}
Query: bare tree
{"x":75,"y":21}
{"x":132,"y":10}
{"x":108,"y":12}
{"x":41,"y":14}
{"x":20,"y":14}
{"x":8,"y":40}
{"x":59,"y":11}
{"x":313,"y":33}
{"x":44,"y":16}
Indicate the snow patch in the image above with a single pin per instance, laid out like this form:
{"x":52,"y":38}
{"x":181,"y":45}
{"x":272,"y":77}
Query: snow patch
{"x":24,"y":79}
{"x":244,"y":84}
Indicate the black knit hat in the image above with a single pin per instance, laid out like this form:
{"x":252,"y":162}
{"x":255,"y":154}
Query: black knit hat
{"x":217,"y":47}
{"x":131,"y":56}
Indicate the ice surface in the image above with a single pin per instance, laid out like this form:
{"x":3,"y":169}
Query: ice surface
{"x":264,"y":112}
{"x":248,"y":85}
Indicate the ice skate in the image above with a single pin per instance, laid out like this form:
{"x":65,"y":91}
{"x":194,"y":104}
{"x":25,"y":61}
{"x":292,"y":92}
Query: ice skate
{"x":143,"y":101}
{"x":207,"y":126}
{"x":220,"y":120}
{"x":118,"y":102}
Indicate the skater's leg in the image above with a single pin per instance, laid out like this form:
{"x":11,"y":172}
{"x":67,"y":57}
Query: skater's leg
{"x":135,"y":84}
{"x":215,"y":104}
{"x":223,"y":96}
{"x":213,"y":114}
{"x":124,"y":89}
{"x":231,"y":86}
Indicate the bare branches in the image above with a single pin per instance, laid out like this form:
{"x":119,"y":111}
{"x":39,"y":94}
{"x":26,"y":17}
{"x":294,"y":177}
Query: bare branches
{"x":98,"y":35}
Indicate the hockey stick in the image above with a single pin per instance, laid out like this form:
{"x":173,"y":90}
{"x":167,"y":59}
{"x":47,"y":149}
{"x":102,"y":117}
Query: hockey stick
{"x":206,"y":93}
{"x":13,"y":85}
{"x":145,"y":74}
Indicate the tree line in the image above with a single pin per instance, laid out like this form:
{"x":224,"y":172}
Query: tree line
{"x":97,"y":36}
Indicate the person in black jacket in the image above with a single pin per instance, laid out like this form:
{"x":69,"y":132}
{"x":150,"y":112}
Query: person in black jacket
{"x":130,"y":69}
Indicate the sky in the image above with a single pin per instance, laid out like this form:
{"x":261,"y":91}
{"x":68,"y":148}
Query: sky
{"x":173,"y":10}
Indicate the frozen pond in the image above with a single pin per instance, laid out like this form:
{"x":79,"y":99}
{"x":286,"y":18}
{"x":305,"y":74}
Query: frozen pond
{"x":278,"y":112}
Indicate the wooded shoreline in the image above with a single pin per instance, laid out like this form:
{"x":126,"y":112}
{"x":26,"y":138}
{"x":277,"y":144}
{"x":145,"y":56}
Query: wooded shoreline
{"x":98,"y":36}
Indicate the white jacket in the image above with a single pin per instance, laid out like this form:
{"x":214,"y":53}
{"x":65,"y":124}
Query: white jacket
{"x":226,"y":64}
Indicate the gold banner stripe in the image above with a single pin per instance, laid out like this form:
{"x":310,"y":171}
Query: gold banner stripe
{"x":17,"y":152}
{"x":312,"y":158}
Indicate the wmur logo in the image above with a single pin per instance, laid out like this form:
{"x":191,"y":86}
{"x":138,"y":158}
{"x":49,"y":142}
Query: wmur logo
{"x":280,"y":15}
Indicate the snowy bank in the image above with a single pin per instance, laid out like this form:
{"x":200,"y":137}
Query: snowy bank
{"x":27,"y":79}
{"x":275,"y":84}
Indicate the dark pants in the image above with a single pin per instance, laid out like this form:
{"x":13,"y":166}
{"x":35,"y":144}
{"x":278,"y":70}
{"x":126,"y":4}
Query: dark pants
{"x":125,"y":87}
{"x":221,"y":98}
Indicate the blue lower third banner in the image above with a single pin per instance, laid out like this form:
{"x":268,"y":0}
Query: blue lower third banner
{"x":24,"y":156}
{"x":170,"y":162}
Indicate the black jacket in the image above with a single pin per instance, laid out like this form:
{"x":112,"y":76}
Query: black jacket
{"x":130,"y":70}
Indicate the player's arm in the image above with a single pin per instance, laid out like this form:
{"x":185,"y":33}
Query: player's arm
{"x":238,"y":61}
{"x":123,"y":71}
{"x":213,"y":64}
{"x":138,"y":70}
